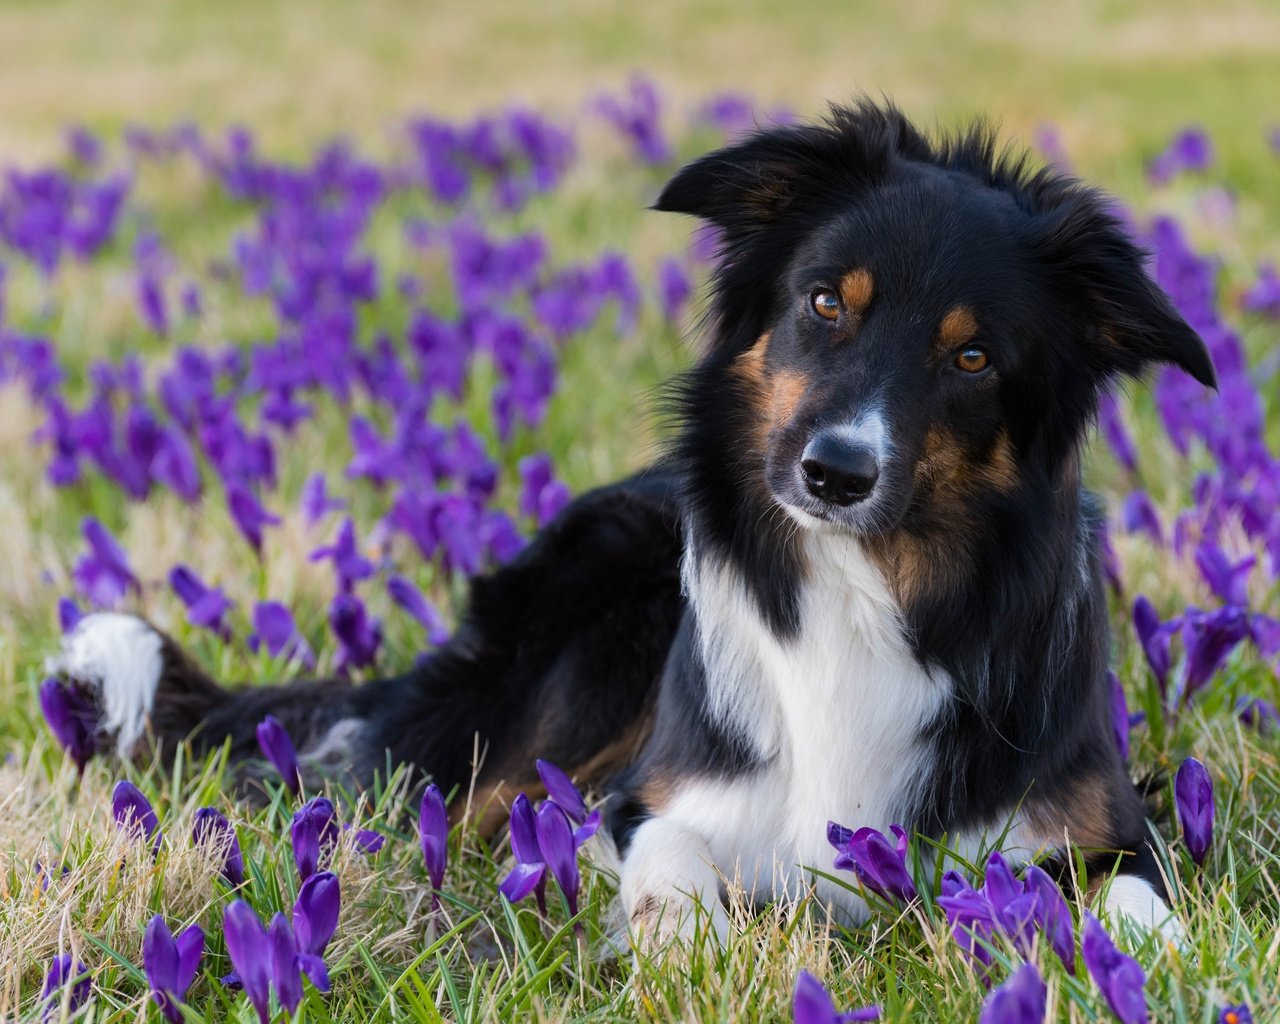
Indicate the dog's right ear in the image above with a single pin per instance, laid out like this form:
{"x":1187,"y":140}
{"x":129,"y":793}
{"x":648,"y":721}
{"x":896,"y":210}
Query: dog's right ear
{"x":740,"y":187}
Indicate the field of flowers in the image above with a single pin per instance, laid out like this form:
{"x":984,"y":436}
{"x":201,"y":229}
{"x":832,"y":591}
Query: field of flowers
{"x":285,"y":407}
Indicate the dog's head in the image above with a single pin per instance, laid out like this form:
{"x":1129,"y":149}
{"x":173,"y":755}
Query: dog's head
{"x":902,"y":327}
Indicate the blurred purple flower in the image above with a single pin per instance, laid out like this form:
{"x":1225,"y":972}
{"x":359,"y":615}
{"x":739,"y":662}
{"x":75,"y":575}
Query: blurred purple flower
{"x":674,"y":289}
{"x":1237,"y":1014}
{"x":171,"y":964}
{"x":69,"y":615}
{"x":249,"y":515}
{"x":316,"y":502}
{"x":348,"y":564}
{"x":133,"y":813}
{"x":1154,"y":637}
{"x":72,"y":717}
{"x":1229,"y":580}
{"x":85,"y":147}
{"x":1120,"y":724}
{"x":206,"y":606}
{"x":277,"y":748}
{"x":1190,"y":150}
{"x":433,"y":834}
{"x":103,"y":575}
{"x":1111,"y":422}
{"x":64,"y":972}
{"x":542,"y":497}
{"x":1120,"y":977}
{"x":358,"y":635}
{"x":881,"y":867}
{"x":314,"y":833}
{"x":637,"y":116}
{"x":811,"y":1004}
{"x":368,"y":841}
{"x":412,"y":600}
{"x":273,"y":626}
{"x":174,"y":465}
{"x":1209,"y":638}
{"x":1020,"y":1000}
{"x":1259,"y":713}
{"x":211,"y":828}
{"x":1139,"y":515}
{"x":1263,"y":296}
{"x":1194,"y":797}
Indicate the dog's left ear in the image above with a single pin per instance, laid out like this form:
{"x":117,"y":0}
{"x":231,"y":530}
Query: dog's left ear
{"x":1134,"y":324}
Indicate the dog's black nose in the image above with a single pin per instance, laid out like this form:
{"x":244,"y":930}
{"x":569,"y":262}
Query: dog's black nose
{"x":837,"y":470}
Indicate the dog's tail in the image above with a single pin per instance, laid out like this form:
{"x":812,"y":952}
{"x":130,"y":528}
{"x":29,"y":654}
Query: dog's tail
{"x":558,"y":656}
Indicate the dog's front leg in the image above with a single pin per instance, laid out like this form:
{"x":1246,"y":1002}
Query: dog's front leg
{"x":670,"y":886}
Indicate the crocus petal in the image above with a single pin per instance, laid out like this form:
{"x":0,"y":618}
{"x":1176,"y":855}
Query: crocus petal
{"x":1020,"y":1000}
{"x":160,"y":958}
{"x":1119,"y":977}
{"x":433,"y":832}
{"x":250,"y":950}
{"x":316,"y":969}
{"x":1193,"y":790}
{"x":587,"y":829}
{"x":1053,"y":915}
{"x":278,"y":749}
{"x":1119,"y":715}
{"x":315,"y":913}
{"x":190,"y":945}
{"x":284,"y":963}
{"x":555,"y":839}
{"x":72,"y":718}
{"x":133,"y":811}
{"x":811,"y":1004}
{"x":524,"y":833}
{"x":523,"y":879}
{"x":64,"y":971}
{"x":562,"y":790}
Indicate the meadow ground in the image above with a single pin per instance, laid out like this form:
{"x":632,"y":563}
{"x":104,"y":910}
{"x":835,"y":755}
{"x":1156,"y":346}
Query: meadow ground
{"x":1116,"y":81}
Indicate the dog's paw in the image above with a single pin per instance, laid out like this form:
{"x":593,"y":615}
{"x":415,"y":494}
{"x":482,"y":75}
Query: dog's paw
{"x":119,"y":659}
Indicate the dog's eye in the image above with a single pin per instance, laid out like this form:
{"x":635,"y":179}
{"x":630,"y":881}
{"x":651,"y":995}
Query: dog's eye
{"x":825,"y":304}
{"x":972,"y":360}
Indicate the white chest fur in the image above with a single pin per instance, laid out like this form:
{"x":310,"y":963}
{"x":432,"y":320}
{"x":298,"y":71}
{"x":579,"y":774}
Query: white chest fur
{"x":834,"y":714}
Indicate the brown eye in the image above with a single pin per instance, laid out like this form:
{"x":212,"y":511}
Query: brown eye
{"x":825,"y":304}
{"x":972,"y":360}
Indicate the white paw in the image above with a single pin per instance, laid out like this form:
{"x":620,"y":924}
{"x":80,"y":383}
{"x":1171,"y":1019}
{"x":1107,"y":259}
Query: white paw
{"x":118,"y":657}
{"x":1131,"y":899}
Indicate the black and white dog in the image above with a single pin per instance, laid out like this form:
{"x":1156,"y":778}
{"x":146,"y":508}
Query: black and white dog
{"x":865,"y":584}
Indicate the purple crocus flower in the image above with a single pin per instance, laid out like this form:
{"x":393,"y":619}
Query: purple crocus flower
{"x":65,"y":972}
{"x":1229,"y":580}
{"x":1209,"y":638}
{"x":1193,"y":790}
{"x":1020,"y":1000}
{"x":72,"y":717}
{"x":103,"y":575}
{"x":1263,"y":296}
{"x":349,"y":565}
{"x":971,"y":916}
{"x":1113,"y":428}
{"x":1120,"y":977}
{"x":249,"y":947}
{"x":412,"y":600}
{"x":637,"y":117}
{"x":433,"y":834}
{"x":366,"y":840}
{"x":1154,"y":637}
{"x":1119,"y":715}
{"x":674,"y":289}
{"x":1052,"y":915}
{"x":1238,"y":1014}
{"x":285,"y":973}
{"x":133,"y":813}
{"x":206,"y":606}
{"x":274,"y":627}
{"x":69,"y":615}
{"x":880,"y":867}
{"x":1139,"y":515}
{"x":315,"y":919}
{"x":530,"y":873}
{"x":248,"y":514}
{"x":541,"y":495}
{"x":1190,"y":150}
{"x":170,"y":964}
{"x":211,"y":827}
{"x":316,"y":502}
{"x":314,"y":831}
{"x":1259,"y":713}
{"x":358,"y":635}
{"x":811,"y":1004}
{"x":559,"y":851}
{"x":278,"y":749}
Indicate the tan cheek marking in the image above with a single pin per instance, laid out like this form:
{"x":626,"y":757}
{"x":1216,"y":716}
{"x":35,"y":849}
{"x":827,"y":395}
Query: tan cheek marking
{"x":856,"y":289}
{"x":1002,"y":467}
{"x":787,"y":388}
{"x":957,"y":327}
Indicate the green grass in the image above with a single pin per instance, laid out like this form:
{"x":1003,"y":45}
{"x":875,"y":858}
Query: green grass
{"x":1117,"y":78}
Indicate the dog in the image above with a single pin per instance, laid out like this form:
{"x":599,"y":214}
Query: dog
{"x":864,"y":583}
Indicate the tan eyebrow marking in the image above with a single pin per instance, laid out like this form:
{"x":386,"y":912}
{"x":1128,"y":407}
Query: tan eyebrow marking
{"x":856,"y":289}
{"x":957,"y":327}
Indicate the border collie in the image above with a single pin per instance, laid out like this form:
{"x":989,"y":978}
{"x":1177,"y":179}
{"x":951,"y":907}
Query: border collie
{"x":864,"y":585}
